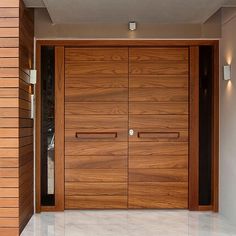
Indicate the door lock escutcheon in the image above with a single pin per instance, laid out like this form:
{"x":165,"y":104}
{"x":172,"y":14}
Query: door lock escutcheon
{"x":131,"y":132}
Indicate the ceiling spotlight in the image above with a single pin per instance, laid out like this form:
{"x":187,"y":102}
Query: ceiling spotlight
{"x":132,"y":25}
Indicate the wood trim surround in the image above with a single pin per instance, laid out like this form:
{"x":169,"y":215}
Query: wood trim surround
{"x":215,"y":130}
{"x":194,"y":129}
{"x":38,"y":131}
{"x":59,"y":131}
{"x":59,"y":128}
{"x":204,"y":208}
{"x":194,"y":89}
{"x":126,"y":42}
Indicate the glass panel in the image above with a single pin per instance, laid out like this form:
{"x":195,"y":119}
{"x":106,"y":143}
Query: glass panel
{"x":47,"y":125}
{"x":205,"y":125}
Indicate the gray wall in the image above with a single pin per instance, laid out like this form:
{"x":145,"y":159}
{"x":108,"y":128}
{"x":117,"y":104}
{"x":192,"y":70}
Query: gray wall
{"x":44,"y":29}
{"x":228,"y":118}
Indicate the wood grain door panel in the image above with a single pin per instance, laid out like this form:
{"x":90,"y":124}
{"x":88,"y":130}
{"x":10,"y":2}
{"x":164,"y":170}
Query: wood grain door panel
{"x":96,"y":175}
{"x":155,"y":122}
{"x":158,"y":81}
{"x":96,"y":162}
{"x":96,"y":202}
{"x":159,"y":115}
{"x":74,"y":55}
{"x":158,"y":148}
{"x":96,"y":123}
{"x":158,"y":108}
{"x":96,"y":95}
{"x":158,"y":162}
{"x":160,"y":68}
{"x":98,"y":81}
{"x":158,"y":175}
{"x":109,"y":90}
{"x":95,"y":67}
{"x":96,"y":108}
{"x":158,"y":54}
{"x":158,"y":195}
{"x":96,"y":189}
{"x":158,"y":95}
{"x":96,"y":148}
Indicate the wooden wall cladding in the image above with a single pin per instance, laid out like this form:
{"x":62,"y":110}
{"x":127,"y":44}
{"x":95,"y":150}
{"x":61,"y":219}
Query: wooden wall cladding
{"x":9,"y":116}
{"x":16,"y":127}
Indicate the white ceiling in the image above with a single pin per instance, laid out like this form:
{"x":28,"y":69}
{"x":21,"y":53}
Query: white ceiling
{"x":121,"y":11}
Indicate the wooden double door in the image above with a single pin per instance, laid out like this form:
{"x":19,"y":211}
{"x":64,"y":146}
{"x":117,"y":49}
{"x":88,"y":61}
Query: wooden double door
{"x":126,"y":127}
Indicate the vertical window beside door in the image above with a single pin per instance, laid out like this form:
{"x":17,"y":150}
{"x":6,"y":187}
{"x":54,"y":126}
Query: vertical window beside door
{"x":205,"y":124}
{"x":47,"y":125}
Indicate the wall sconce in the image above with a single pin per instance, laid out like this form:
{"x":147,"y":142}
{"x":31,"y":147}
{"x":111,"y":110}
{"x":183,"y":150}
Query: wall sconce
{"x":227,"y":72}
{"x":132,"y":25}
{"x":32,"y":81}
{"x":33,"y":76}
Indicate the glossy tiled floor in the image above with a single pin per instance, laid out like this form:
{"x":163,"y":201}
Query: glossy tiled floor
{"x":132,"y":223}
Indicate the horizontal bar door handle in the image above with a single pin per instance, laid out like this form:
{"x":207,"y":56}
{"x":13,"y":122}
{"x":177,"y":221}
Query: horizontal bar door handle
{"x":96,"y":135}
{"x":159,"y":135}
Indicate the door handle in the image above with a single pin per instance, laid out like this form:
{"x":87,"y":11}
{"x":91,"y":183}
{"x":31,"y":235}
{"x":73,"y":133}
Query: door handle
{"x":96,"y":135}
{"x":159,"y":135}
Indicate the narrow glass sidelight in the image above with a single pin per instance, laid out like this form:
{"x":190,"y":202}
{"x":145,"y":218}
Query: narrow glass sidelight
{"x":47,"y":126}
{"x":205,"y":124}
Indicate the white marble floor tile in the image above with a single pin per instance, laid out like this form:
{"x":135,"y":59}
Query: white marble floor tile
{"x":129,"y":223}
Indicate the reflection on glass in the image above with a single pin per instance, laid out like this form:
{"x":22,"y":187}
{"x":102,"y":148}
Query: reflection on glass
{"x":47,"y":126}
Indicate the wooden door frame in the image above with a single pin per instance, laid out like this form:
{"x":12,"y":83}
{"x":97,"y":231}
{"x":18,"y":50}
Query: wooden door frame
{"x":59,"y":131}
{"x":193,"y":115}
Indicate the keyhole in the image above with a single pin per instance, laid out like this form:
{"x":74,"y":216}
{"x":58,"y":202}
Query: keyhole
{"x":131,"y":132}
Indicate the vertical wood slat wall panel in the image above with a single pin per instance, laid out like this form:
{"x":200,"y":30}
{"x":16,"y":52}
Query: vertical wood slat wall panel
{"x":16,"y":141}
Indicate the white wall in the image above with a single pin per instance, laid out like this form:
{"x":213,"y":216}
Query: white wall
{"x":228,"y":118}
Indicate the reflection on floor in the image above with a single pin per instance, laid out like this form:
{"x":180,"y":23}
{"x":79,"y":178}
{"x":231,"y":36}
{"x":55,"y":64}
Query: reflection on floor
{"x":130,"y":222}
